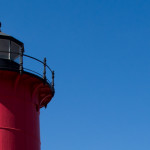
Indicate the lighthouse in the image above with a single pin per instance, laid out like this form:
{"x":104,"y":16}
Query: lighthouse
{"x":23,"y":92}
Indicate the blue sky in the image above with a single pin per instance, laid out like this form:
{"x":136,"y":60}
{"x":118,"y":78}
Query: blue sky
{"x":100,"y":53}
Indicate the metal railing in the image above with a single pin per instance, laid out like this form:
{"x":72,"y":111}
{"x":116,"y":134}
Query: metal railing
{"x":44,"y":64}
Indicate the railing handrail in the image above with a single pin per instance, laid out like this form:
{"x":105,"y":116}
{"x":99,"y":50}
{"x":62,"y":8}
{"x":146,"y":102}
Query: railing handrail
{"x":21,"y":54}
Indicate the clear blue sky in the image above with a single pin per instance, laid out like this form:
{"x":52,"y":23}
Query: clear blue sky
{"x":100,"y":51}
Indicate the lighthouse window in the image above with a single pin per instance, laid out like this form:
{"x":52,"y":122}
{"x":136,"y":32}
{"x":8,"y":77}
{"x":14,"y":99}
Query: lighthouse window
{"x":4,"y":48}
{"x":15,"y":49}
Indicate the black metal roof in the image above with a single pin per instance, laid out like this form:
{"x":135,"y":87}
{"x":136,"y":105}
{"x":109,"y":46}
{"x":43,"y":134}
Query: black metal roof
{"x":5,"y":36}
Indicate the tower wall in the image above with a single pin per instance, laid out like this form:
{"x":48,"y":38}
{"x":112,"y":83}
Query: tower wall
{"x":20,"y":102}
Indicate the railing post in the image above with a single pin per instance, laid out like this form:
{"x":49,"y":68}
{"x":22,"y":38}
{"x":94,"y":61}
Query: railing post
{"x":0,"y":26}
{"x":9,"y":49}
{"x":21,"y":61}
{"x":44,"y":72}
{"x":53,"y":74}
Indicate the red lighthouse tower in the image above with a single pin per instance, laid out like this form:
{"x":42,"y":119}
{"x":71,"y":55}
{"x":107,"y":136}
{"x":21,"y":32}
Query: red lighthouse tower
{"x":22,"y":93}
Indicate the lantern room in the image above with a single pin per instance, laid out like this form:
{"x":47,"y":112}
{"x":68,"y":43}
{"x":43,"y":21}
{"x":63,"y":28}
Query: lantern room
{"x":9,"y":47}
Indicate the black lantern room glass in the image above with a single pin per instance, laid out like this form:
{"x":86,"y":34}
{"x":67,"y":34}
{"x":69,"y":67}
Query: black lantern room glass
{"x":9,"y":47}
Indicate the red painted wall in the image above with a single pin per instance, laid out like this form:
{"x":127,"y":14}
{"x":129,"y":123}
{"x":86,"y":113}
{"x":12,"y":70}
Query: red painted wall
{"x":20,"y":98}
